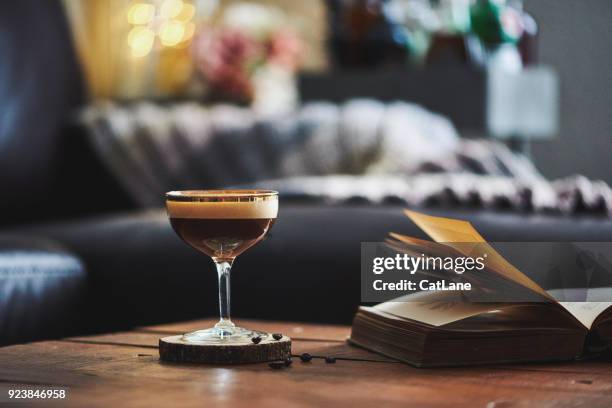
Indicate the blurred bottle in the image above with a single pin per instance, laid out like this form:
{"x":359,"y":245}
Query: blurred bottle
{"x":454,"y":15}
{"x":448,"y":45}
{"x":494,"y":22}
{"x":365,"y":33}
{"x":528,"y":44}
{"x":498,"y":27}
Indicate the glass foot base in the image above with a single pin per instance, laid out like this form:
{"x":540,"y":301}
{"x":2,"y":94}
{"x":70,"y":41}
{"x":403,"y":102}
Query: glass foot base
{"x":223,"y":335}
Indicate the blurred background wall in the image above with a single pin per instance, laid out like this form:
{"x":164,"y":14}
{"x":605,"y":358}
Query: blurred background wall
{"x":572,"y":39}
{"x":575,"y":40}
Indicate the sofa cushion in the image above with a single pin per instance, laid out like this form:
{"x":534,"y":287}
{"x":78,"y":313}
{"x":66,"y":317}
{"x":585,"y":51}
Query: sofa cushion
{"x":41,"y":286}
{"x":40,"y":85}
{"x":307,"y":269}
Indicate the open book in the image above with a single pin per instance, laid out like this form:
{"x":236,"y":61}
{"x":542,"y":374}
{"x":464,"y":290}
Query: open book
{"x":441,"y":328}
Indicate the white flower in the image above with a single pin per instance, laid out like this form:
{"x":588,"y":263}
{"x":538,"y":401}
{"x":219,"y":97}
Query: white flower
{"x":255,"y":19}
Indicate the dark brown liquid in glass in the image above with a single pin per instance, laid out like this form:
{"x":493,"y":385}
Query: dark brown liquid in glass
{"x":222,"y":238}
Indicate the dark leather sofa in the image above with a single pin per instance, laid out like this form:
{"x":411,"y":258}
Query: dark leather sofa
{"x":307,"y":269}
{"x":107,"y":266}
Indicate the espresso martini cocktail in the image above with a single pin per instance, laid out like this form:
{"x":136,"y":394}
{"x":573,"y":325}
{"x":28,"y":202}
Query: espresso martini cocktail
{"x":222,"y":224}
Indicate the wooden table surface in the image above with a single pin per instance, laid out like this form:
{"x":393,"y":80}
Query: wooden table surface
{"x":123,"y":369}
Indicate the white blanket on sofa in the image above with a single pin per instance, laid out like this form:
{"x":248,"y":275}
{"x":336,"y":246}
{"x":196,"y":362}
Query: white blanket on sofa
{"x":362,"y":149}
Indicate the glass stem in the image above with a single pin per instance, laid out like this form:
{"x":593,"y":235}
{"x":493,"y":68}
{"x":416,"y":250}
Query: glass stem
{"x":223,"y":270}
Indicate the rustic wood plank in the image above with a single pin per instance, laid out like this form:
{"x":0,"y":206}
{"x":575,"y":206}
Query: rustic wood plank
{"x":98,"y":357}
{"x":123,"y":369}
{"x":315,"y":347}
{"x":317,"y":383}
{"x":303,"y":386}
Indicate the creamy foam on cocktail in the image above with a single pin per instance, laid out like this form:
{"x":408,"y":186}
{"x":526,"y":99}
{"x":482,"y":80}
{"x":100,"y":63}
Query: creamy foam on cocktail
{"x":223,"y":209}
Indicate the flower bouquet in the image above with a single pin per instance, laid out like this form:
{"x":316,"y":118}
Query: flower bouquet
{"x":250,"y":57}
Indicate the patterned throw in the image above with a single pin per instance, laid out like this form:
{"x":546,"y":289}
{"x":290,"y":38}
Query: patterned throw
{"x":361,"y":150}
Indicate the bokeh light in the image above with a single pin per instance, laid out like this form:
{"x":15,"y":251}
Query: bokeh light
{"x":171,"y":33}
{"x":141,"y":40}
{"x":168,"y":20}
{"x":170,"y":8}
{"x":186,"y":13}
{"x":140,"y":13}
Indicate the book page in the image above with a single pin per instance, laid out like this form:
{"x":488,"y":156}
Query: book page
{"x":586,"y":312}
{"x":449,"y":231}
{"x":434,"y":308}
{"x":603,"y":294}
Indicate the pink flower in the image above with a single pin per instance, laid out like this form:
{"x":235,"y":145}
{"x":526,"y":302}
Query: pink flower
{"x":285,"y":48}
{"x":228,"y":57}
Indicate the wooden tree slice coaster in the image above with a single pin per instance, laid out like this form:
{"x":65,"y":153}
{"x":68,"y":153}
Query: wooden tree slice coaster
{"x":174,"y":349}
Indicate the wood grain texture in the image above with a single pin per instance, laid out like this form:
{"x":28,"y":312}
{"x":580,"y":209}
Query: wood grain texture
{"x":123,"y":369}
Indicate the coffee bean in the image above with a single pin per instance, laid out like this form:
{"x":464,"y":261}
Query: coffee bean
{"x":305,"y":357}
{"x":330,"y":360}
{"x":256,"y":339}
{"x":277,"y":336}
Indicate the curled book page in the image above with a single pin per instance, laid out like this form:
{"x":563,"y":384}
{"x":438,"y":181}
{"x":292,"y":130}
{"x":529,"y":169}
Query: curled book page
{"x":461,"y":233}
